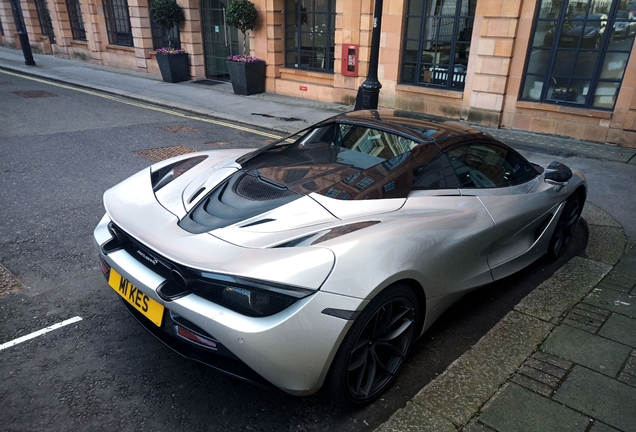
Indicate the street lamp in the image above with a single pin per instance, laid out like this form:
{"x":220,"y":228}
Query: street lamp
{"x":369,"y":91}
{"x":22,"y":33}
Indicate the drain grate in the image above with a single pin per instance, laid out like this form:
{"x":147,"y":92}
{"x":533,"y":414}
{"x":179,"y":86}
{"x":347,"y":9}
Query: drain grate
{"x":34,"y":94}
{"x":218,"y":143}
{"x":8,"y":282}
{"x":162,"y":153}
{"x":179,"y":129}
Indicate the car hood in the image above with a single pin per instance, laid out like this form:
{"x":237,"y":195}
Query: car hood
{"x":210,"y":200}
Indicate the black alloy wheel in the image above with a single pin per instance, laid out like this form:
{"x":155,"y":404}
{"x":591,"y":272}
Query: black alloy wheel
{"x":566,"y":225}
{"x":374,"y":350}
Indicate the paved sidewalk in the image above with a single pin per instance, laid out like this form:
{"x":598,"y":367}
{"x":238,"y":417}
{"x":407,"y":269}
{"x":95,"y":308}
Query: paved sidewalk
{"x":266,"y":110}
{"x":563,"y":359}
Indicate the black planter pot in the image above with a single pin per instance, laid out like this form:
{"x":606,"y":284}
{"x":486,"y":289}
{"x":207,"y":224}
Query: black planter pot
{"x":247,"y":78}
{"x":173,"y":67}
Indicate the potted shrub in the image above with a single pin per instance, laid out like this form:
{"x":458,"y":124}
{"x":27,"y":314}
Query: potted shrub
{"x":246,"y":72}
{"x":173,"y":63}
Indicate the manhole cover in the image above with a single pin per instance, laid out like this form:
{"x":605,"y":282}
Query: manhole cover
{"x":162,"y":153}
{"x":34,"y":94}
{"x":218,"y":143}
{"x":179,"y":129}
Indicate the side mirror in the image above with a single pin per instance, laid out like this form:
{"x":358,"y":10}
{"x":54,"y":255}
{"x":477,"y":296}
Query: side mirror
{"x":558,"y":173}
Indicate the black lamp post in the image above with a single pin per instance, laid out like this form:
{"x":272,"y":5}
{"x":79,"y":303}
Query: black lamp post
{"x":22,"y":33}
{"x":370,"y":89}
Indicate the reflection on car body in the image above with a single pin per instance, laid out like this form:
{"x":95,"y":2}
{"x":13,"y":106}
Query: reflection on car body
{"x":316,"y":262}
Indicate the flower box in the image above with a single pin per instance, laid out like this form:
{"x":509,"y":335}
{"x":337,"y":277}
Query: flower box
{"x":173,"y":66}
{"x":248,"y":77}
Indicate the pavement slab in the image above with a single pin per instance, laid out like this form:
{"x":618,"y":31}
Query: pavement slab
{"x":614,"y":301}
{"x":516,"y":409}
{"x":581,"y":347}
{"x":602,"y":427}
{"x":594,"y":215}
{"x":621,"y":329}
{"x":606,"y":244}
{"x":472,"y":379}
{"x":600,"y":397}
{"x":415,"y":418}
{"x":550,"y":300}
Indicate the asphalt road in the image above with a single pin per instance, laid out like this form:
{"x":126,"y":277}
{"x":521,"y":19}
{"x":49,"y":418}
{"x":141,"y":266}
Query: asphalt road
{"x":58,"y":153}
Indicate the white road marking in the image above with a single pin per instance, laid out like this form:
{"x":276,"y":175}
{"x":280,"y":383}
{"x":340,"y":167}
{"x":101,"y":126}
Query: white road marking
{"x":39,"y":333}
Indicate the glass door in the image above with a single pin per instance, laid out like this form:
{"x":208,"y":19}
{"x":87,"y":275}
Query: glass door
{"x":219,"y":39}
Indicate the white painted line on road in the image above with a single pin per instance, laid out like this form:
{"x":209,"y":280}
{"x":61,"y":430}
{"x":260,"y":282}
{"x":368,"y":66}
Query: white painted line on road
{"x":39,"y":333}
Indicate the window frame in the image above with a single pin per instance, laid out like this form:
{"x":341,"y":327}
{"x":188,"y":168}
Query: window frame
{"x":297,"y":32}
{"x":553,"y":51}
{"x":76,"y":20}
{"x":117,"y":35}
{"x":44,"y":17}
{"x":437,"y":67}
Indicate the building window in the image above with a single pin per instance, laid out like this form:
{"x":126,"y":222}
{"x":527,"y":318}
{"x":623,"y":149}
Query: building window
{"x":364,"y":183}
{"x":160,"y":34}
{"x":118,"y":22}
{"x":310,"y":34}
{"x":437,"y":42}
{"x":44,"y":16}
{"x":578,"y":53}
{"x":75,"y":18}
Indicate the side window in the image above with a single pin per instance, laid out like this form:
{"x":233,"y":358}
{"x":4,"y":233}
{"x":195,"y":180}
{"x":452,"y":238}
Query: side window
{"x":486,"y":165}
{"x":364,"y":147}
{"x":438,"y":174}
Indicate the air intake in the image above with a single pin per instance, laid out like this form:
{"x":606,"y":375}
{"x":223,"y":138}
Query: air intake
{"x":255,"y":189}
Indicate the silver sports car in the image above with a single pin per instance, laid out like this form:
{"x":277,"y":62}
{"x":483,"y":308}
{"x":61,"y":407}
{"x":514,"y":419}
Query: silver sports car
{"x":315,"y":262}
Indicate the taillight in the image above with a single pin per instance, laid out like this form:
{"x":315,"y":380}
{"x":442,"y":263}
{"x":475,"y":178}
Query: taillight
{"x":105,"y":268}
{"x":191,"y":336}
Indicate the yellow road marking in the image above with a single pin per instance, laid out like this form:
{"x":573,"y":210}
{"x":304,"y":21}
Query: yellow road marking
{"x":145,"y":106}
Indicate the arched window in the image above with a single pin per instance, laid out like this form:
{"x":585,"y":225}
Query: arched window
{"x":578,"y":53}
{"x":437,"y":42}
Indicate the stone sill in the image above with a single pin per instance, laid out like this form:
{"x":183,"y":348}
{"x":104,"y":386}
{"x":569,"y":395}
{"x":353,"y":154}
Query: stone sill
{"x":584,"y":112}
{"x":322,"y":78}
{"x":451,"y":94}
{"x":79,"y":43}
{"x":120,"y":48}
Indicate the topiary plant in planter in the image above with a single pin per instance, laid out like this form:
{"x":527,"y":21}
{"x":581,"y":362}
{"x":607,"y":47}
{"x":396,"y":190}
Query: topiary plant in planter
{"x":173,"y":63}
{"x":246,"y":72}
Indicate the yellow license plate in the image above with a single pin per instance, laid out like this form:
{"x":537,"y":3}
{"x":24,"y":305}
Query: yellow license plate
{"x":140,"y":301}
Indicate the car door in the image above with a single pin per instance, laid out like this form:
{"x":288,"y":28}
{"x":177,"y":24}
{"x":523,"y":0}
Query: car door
{"x":508,"y":187}
{"x":457,"y":228}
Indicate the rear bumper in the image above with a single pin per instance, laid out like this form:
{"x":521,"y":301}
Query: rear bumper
{"x":219,"y":359}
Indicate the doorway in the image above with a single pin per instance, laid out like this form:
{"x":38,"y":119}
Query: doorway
{"x":219,"y":39}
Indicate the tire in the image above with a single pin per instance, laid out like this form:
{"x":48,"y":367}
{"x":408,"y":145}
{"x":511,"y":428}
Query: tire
{"x":375,"y":348}
{"x":566,"y":225}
